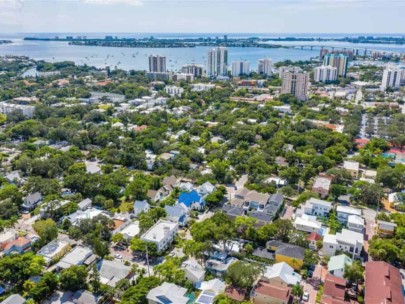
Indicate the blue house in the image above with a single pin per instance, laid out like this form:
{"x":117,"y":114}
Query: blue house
{"x":192,"y":200}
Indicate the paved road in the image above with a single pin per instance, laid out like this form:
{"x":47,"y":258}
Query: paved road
{"x":369,"y":217}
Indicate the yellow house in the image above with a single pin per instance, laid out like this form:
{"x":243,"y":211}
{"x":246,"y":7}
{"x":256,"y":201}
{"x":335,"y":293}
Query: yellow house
{"x":291,"y":254}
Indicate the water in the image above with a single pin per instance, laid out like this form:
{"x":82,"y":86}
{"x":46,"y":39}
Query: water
{"x":137,"y":58}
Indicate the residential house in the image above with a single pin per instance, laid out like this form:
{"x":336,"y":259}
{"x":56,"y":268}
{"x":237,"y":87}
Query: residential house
{"x":177,"y":214}
{"x":209,"y":290}
{"x":74,"y":258}
{"x":322,"y":185}
{"x":167,"y":293}
{"x":343,"y":213}
{"x":337,"y":264}
{"x":93,"y":167}
{"x":84,"y":297}
{"x":162,"y":234}
{"x":263,"y":253}
{"x":355,"y":223}
{"x":307,"y":223}
{"x":250,"y":199}
{"x":194,"y":272}
{"x":383,"y":283}
{"x":206,"y":188}
{"x":7,"y":236}
{"x":54,"y":250}
{"x":130,"y":230}
{"x":386,"y":228}
{"x":90,"y":213}
{"x":141,"y":207}
{"x":315,"y":206}
{"x":113,"y":271}
{"x":261,"y":217}
{"x":281,"y":274}
{"x":85,"y":204}
{"x":291,"y":254}
{"x":334,"y":290}
{"x":31,"y":201}
{"x":218,"y":262}
{"x":267,"y":293}
{"x":192,"y":200}
{"x":274,"y":205}
{"x":235,"y":293}
{"x":352,"y":167}
{"x":312,"y":238}
{"x":233,"y":211}
{"x":14,"y":299}
{"x":347,"y":241}
{"x":14,"y":177}
{"x":20,"y":245}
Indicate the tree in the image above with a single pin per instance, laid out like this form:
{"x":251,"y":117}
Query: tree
{"x":383,"y":250}
{"x":297,"y":291}
{"x":246,"y":226}
{"x":46,"y":229}
{"x":195,"y":249}
{"x":266,"y":232}
{"x":170,"y":271}
{"x":15,"y":269}
{"x":145,"y":247}
{"x":354,"y":272}
{"x":73,"y":278}
{"x":45,"y":287}
{"x":95,"y":282}
{"x":284,"y":228}
{"x":370,"y":194}
{"x":243,"y":274}
{"x":217,"y":229}
{"x":137,"y":294}
{"x":101,"y":248}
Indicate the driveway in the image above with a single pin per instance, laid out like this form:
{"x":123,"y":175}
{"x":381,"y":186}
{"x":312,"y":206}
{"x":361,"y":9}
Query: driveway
{"x":369,"y":216}
{"x":289,"y":211}
{"x":312,"y":292}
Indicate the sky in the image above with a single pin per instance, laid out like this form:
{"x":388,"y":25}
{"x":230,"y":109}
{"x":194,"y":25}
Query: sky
{"x":202,"y":16}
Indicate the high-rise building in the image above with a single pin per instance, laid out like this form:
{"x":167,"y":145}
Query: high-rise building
{"x":217,"y":62}
{"x":240,"y":68}
{"x":265,"y":67}
{"x":157,"y":64}
{"x":295,"y":83}
{"x":196,"y":70}
{"x":392,"y":77}
{"x":325,"y":73}
{"x":339,"y":61}
{"x":285,"y":69}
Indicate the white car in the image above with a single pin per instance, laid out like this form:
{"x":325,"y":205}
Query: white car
{"x":305,"y":296}
{"x":118,"y":256}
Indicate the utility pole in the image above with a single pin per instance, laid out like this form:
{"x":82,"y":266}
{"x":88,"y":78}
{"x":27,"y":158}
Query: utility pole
{"x":147,"y":260}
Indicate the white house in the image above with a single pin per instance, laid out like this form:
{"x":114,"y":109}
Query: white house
{"x":355,"y":223}
{"x":141,"y":207}
{"x":343,"y":213}
{"x":167,"y":293}
{"x":348,"y":241}
{"x":194,"y":272}
{"x":337,"y":264}
{"x":281,"y":273}
{"x":206,"y":188}
{"x":307,"y":223}
{"x":316,"y":207}
{"x":162,"y":234}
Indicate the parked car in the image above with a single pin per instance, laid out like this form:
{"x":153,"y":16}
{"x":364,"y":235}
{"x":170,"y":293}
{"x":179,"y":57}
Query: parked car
{"x":305,"y":296}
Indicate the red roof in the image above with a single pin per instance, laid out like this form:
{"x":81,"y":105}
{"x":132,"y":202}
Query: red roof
{"x":313,"y":236}
{"x":334,"y":287}
{"x":237,"y":294}
{"x":20,"y":242}
{"x":279,"y":292}
{"x":329,"y":300}
{"x":383,"y":284}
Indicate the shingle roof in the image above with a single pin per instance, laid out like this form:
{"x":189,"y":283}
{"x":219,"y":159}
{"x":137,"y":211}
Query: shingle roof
{"x":291,"y":251}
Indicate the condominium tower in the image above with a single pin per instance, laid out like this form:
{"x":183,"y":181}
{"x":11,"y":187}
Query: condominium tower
{"x":295,"y":83}
{"x":217,"y":62}
{"x":157,"y":64}
{"x":240,"y":68}
{"x":265,"y":67}
{"x":391,"y":77}
{"x":325,"y":74}
{"x":339,"y":61}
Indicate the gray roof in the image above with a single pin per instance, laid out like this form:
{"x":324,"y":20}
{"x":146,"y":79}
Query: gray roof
{"x":14,"y":299}
{"x":140,"y":204}
{"x":33,"y":198}
{"x":113,"y":270}
{"x":291,"y":251}
{"x":261,"y":216}
{"x":263,"y":253}
{"x":84,"y":297}
{"x":276,"y":198}
{"x":174,"y":211}
{"x":232,"y":210}
{"x":84,"y":203}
